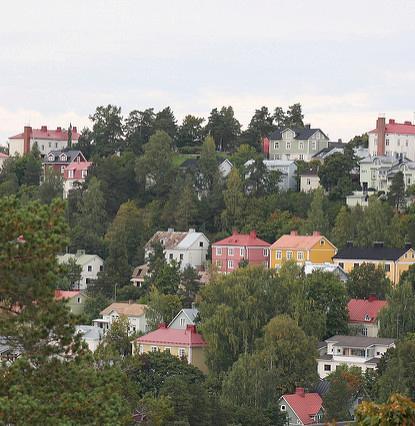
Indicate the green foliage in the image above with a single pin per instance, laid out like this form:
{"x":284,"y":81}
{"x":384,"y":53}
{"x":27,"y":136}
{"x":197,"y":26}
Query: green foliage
{"x":234,"y":199}
{"x":317,"y":219}
{"x":367,"y":279}
{"x":138,"y":127}
{"x":224,"y":128}
{"x":190,"y":132}
{"x":161,"y":308}
{"x":51,"y":187}
{"x":70,"y":275}
{"x":189,"y":285}
{"x":116,"y":340}
{"x":166,"y":122}
{"x":396,"y":194}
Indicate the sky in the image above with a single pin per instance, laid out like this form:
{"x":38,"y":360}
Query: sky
{"x":344,"y":61}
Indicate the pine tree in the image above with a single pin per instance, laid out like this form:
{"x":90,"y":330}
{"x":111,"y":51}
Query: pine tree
{"x":234,"y":199}
{"x":316,"y":217}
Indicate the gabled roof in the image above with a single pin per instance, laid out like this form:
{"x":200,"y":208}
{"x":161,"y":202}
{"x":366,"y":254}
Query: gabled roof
{"x":66,"y":294}
{"x":299,"y":242}
{"x":236,"y":239}
{"x":305,"y":405}
{"x":175,"y":240}
{"x":164,"y":336}
{"x":406,"y":128}
{"x":301,"y":134}
{"x":370,"y":253}
{"x":125,"y":308}
{"x":365,"y":310}
{"x":190,"y":313}
{"x":81,"y":258}
{"x":90,"y":332}
{"x":70,"y":154}
{"x":45,"y":133}
{"x":359,"y":341}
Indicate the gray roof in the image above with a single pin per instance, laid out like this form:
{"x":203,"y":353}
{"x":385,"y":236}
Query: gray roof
{"x":301,"y":134}
{"x":359,"y":341}
{"x":71,"y":154}
{"x":191,"y":313}
{"x":90,"y":332}
{"x":370,"y":253}
{"x":81,"y":258}
{"x":174,"y":240}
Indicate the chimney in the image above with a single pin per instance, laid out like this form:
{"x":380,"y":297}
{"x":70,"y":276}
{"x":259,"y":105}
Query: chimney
{"x":372,"y":297}
{"x":252,"y":234}
{"x":308,"y":126}
{"x":408,"y":123}
{"x":170,"y":230}
{"x":378,"y":244}
{"x":44,"y":128}
{"x":74,"y":129}
{"x":391,"y":121}
{"x":408,"y":245}
{"x":191,"y":230}
{"x":234,"y":231}
{"x":380,"y":131}
{"x":265,"y":147}
{"x":59,"y":129}
{"x":316,"y":234}
{"x":27,"y":132}
{"x":162,"y":325}
{"x":300,"y":392}
{"x":294,"y":233}
{"x":191,"y":328}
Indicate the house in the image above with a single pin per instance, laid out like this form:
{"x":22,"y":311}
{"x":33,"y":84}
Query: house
{"x":91,"y":335}
{"x":393,"y":260}
{"x":46,"y":140}
{"x":309,"y":181}
{"x":229,"y":252}
{"x":192,"y":165}
{"x":8,"y":352}
{"x":187,"y":248}
{"x":363,"y":315}
{"x":184,"y":343}
{"x":185,"y":317}
{"x":333,"y":148}
{"x":302,"y":408}
{"x":353,"y":351}
{"x":74,"y":174}
{"x":91,"y":264}
{"x":295,"y":143}
{"x":139,"y":275}
{"x":59,"y":160}
{"x":75,"y":300}
{"x":315,"y":248}
{"x":310,"y":267}
{"x":287,"y":169}
{"x":359,"y":198}
{"x":3,"y":158}
{"x":392,"y":139}
{"x":135,"y":313}
{"x":225,"y":167}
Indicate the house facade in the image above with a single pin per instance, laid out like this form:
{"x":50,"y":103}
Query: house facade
{"x":296,"y":143}
{"x":393,"y":260}
{"x":60,"y":160}
{"x":187,"y":248}
{"x":139,"y":274}
{"x":229,"y":252}
{"x":75,"y":300}
{"x":185,"y":317}
{"x":392,"y":139}
{"x":309,"y":181}
{"x":353,"y":351}
{"x":315,"y":248}
{"x":363,"y":315}
{"x":46,"y":139}
{"x":302,"y":408}
{"x":3,"y":158}
{"x":287,"y":169}
{"x":91,"y":264}
{"x":184,"y":343}
{"x":135,"y":312}
{"x":91,"y":335}
{"x":359,"y":198}
{"x":310,"y":267}
{"x":74,"y":174}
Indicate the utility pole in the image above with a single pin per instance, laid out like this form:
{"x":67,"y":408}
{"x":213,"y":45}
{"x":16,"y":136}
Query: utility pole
{"x":115,"y":292}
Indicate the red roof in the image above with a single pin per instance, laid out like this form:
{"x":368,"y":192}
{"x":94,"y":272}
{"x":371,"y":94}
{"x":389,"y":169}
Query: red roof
{"x":2,"y":155}
{"x":242,"y":240}
{"x":175,"y":337}
{"x":297,"y":242}
{"x":305,"y":405}
{"x":360,"y":309}
{"x":45,"y":133}
{"x":406,"y":128}
{"x":66,"y":294}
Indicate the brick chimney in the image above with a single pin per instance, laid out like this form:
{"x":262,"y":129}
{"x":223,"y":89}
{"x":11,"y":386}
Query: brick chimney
{"x":74,"y":129}
{"x":372,"y":297}
{"x":294,"y":233}
{"x":44,"y":128}
{"x":27,"y":132}
{"x":300,"y":392}
{"x":162,"y":325}
{"x":252,"y":234}
{"x":380,"y":131}
{"x":59,"y":129}
{"x":191,"y":328}
{"x":316,"y":234}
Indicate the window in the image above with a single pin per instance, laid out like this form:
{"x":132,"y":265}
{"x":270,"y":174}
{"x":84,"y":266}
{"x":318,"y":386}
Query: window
{"x":101,"y":268}
{"x":171,"y":256}
{"x":377,"y":353}
{"x":283,"y":408}
{"x":322,"y":242}
{"x":301,"y":157}
{"x":167,"y":350}
{"x":154,"y":349}
{"x":84,"y":173}
{"x":327,"y":367}
{"x":181,"y":256}
{"x":355,"y":265}
{"x":308,"y":181}
{"x":314,"y":145}
{"x":279,"y":254}
{"x":387,"y":142}
{"x":56,"y":144}
{"x":201,"y":244}
{"x":265,"y":252}
{"x":300,"y":255}
{"x":288,"y":145}
{"x":289,"y":254}
{"x":242,"y":252}
{"x":70,"y":174}
{"x":182,"y":352}
{"x":301,"y":146}
{"x":219,"y":263}
{"x":78,"y":300}
{"x":62,"y":169}
{"x":230,"y":251}
{"x":182,"y":322}
{"x":87,"y":281}
{"x":89,"y":268}
{"x":218,"y":251}
{"x":50,"y":144}
{"x":341,"y":264}
{"x":287,"y":156}
{"x":276,"y":145}
{"x":141,"y":349}
{"x":387,"y":268}
{"x":364,"y":331}
{"x":230,"y":264}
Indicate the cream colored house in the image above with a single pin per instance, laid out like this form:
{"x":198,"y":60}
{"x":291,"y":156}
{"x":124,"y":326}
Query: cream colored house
{"x":309,"y":182}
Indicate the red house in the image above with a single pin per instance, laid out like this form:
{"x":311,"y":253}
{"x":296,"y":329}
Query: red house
{"x":228,"y":253}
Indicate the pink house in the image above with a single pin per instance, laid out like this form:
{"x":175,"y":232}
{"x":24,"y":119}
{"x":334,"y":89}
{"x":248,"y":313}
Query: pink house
{"x":76,"y":172}
{"x":228,"y":253}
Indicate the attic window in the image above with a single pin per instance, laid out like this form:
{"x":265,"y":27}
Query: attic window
{"x":50,"y":157}
{"x":367,"y":317}
{"x":321,"y":242}
{"x":63,"y":157}
{"x":283,"y":408}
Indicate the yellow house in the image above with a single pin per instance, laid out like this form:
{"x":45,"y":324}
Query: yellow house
{"x":184,"y":343}
{"x":393,"y":260}
{"x":315,"y":248}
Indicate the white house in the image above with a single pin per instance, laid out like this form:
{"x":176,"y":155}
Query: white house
{"x":3,"y":158}
{"x":337,"y":270}
{"x":309,"y":181}
{"x":135,"y":313}
{"x":91,"y":335}
{"x":184,"y":318}
{"x":287,"y":168}
{"x":353,"y":351}
{"x":360,"y":198}
{"x":46,"y":139}
{"x":187,"y":248}
{"x":225,"y":167}
{"x":392,"y":139}
{"x":91,"y":264}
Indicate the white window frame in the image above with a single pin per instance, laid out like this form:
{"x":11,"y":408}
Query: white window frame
{"x":300,"y":255}
{"x":154,"y":349}
{"x":288,"y":145}
{"x":265,"y":252}
{"x":182,"y":321}
{"x":218,"y":251}
{"x":301,"y":145}
{"x":230,"y":251}
{"x":276,"y":145}
{"x":181,"y":353}
{"x":289,"y":254}
{"x":314,"y":145}
{"x":167,"y":349}
{"x":283,"y":407}
{"x":230,"y":264}
{"x":278,"y":254}
{"x":242,"y":252}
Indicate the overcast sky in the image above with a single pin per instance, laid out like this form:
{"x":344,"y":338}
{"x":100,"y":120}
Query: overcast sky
{"x":345,"y":61}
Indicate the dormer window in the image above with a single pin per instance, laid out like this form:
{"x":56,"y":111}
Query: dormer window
{"x":367,"y":317}
{"x":63,"y":157}
{"x":51,"y":157}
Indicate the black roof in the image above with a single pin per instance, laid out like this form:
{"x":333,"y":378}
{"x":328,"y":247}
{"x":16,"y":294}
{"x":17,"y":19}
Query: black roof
{"x":190,"y":163}
{"x":370,"y":253}
{"x":301,"y":133}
